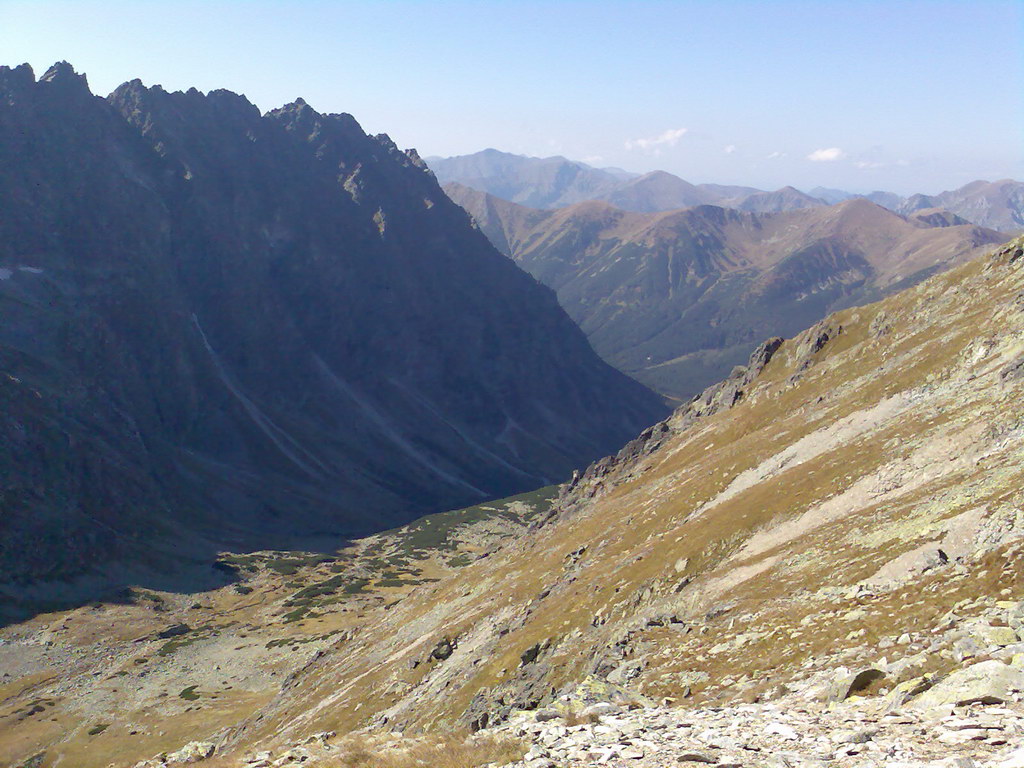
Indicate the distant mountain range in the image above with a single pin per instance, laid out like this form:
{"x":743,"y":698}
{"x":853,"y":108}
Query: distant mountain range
{"x":555,"y":182}
{"x":221,"y":326}
{"x":677,"y":298}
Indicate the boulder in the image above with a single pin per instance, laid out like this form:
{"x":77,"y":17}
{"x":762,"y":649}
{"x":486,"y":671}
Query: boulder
{"x":530,"y":654}
{"x":849,"y":683}
{"x":986,"y":634}
{"x":174,"y":631}
{"x":988,"y":682}
{"x":193,"y":752}
{"x":443,"y":650}
{"x":906,"y":690}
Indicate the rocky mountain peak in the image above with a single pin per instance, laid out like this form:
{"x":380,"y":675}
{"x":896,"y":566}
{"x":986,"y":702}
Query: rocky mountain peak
{"x":64,"y":75}
{"x":19,"y":77}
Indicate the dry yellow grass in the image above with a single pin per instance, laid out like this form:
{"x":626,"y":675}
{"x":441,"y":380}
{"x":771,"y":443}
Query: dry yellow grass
{"x":453,"y":751}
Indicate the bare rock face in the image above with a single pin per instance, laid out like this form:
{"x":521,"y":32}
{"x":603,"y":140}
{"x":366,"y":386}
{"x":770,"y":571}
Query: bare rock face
{"x":225,"y":327}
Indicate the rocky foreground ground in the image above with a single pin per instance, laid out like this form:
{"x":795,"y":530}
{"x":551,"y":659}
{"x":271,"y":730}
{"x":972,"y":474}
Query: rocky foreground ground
{"x":773,"y":735}
{"x":886,"y":713}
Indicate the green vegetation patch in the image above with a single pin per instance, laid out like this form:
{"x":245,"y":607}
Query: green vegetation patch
{"x":288,"y":566}
{"x":183,"y":641}
{"x":434,"y":532}
{"x":189,"y":694}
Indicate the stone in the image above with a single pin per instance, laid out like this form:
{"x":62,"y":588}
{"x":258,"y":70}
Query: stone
{"x":854,"y":737}
{"x":988,"y":682}
{"x":989,"y":635}
{"x":691,"y":756}
{"x":175,"y":630}
{"x":443,"y":650}
{"x":782,"y":730}
{"x":1014,"y":760}
{"x":907,"y":690}
{"x":530,"y":654}
{"x":601,"y":709}
{"x":193,"y":752}
{"x":963,"y":736}
{"x":847,"y":684}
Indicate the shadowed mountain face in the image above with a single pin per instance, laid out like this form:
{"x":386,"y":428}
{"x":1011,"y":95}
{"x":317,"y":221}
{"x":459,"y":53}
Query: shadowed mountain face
{"x":221,"y":327}
{"x":676,"y":299}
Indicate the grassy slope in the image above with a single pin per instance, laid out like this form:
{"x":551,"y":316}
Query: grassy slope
{"x":905,"y":422}
{"x":752,"y":527}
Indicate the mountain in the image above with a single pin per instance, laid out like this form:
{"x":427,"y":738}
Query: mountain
{"x":555,"y":182}
{"x":827,"y":543}
{"x":831,"y":196}
{"x":888,"y":200}
{"x":785,"y":199}
{"x":537,"y":182}
{"x":676,"y":299}
{"x":824,"y":550}
{"x":655,"y":191}
{"x":848,"y":501}
{"x":997,"y":205}
{"x":226,"y":328}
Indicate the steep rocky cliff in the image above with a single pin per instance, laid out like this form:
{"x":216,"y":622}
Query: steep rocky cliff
{"x":226,"y":328}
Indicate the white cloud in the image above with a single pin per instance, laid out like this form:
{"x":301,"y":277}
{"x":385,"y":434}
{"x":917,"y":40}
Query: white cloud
{"x":869,"y":164}
{"x":825,"y":155}
{"x":592,"y":159}
{"x":776,"y":155}
{"x":669,"y":138}
{"x":729,"y":149}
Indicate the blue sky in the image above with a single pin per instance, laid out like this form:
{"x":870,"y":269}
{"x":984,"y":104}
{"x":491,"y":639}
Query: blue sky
{"x":904,"y":96}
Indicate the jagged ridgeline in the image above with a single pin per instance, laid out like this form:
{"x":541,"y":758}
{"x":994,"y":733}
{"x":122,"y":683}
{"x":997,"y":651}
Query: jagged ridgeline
{"x":221,"y":328}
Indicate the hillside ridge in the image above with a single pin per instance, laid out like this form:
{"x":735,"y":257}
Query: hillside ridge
{"x":677,"y":298}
